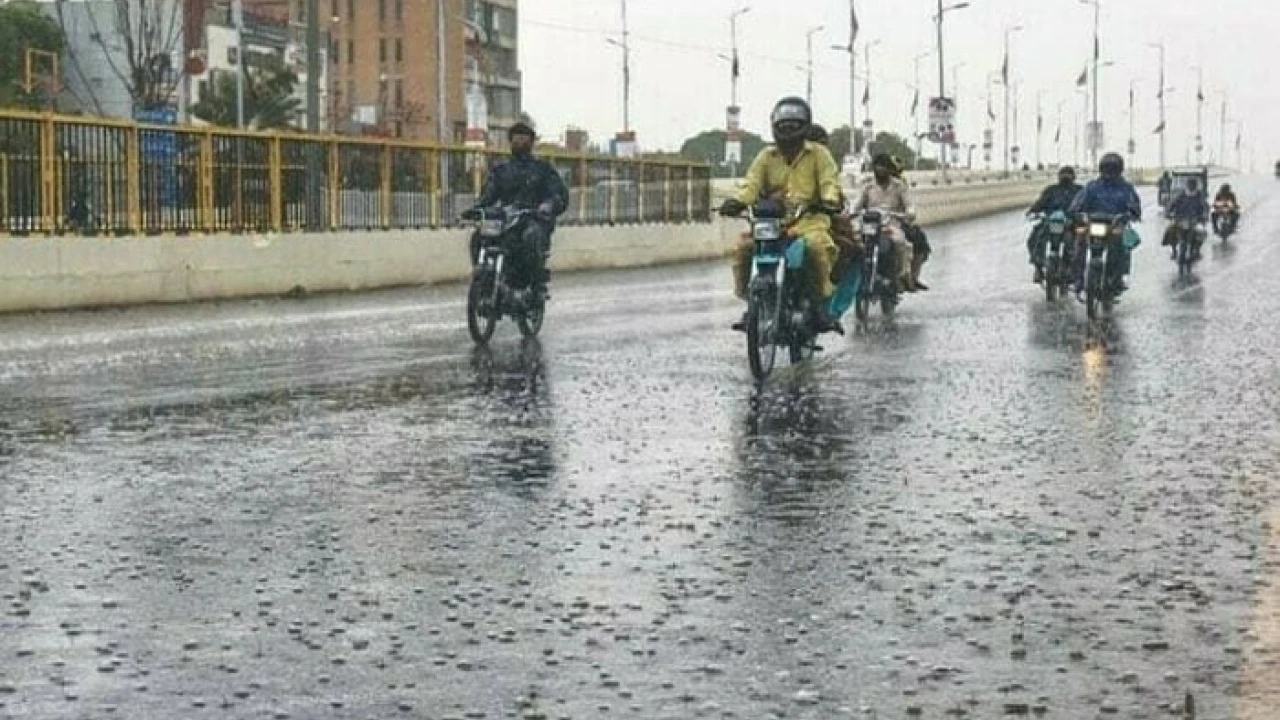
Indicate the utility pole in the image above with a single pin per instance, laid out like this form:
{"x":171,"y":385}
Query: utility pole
{"x":733,"y":37}
{"x":1006,"y":72}
{"x":1133,"y":121}
{"x":1222,"y":136}
{"x":314,"y":203}
{"x":1095,"y":134}
{"x":626,"y":71}
{"x":942,"y":92}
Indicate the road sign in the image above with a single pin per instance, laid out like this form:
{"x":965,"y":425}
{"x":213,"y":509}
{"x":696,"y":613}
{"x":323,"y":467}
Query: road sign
{"x":942,"y":120}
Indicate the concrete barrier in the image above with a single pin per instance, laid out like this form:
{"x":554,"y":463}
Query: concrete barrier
{"x":48,"y":273}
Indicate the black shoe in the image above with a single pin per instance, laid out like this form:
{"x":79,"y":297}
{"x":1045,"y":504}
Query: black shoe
{"x":921,"y":286}
{"x":741,"y":325}
{"x":830,"y":325}
{"x":1039,"y":276}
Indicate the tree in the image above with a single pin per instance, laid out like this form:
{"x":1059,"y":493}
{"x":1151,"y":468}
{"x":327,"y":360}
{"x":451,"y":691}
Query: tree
{"x":708,"y":147}
{"x":269,"y":100}
{"x":24,"y":27}
{"x":138,"y":41}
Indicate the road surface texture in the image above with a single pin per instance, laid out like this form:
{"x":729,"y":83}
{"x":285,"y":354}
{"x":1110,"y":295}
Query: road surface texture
{"x":335,"y":508}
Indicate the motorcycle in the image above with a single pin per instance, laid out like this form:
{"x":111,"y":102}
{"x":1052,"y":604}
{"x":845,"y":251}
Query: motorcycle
{"x":1058,"y":252}
{"x":1186,"y":251}
{"x":879,"y":284}
{"x":491,"y":297}
{"x":781,"y":308}
{"x":1102,"y":234}
{"x":1225,"y":218}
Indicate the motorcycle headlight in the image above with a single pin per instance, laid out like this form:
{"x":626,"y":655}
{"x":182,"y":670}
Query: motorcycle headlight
{"x":491,"y":227}
{"x":766,"y":230}
{"x":870,"y":229}
{"x":1057,"y":228}
{"x":1099,"y":230}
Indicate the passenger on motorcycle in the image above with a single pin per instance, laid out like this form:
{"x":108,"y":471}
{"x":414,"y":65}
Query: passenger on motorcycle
{"x":1110,"y":194}
{"x":1188,"y":205}
{"x":525,"y":182}
{"x":920,"y":247}
{"x":1227,"y":196}
{"x":800,"y":174}
{"x":1055,"y":198}
{"x":889,"y":193}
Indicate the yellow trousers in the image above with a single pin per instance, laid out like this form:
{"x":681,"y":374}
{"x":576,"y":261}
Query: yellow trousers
{"x":821,"y":252}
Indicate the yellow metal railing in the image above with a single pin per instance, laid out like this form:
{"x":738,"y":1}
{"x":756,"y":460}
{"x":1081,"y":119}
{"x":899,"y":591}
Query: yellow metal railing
{"x":63,"y":174}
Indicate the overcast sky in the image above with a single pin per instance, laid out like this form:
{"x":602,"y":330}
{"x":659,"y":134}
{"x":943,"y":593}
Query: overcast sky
{"x":679,"y":85}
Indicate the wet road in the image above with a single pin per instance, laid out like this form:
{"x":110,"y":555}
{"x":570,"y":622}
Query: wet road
{"x":334,"y":508}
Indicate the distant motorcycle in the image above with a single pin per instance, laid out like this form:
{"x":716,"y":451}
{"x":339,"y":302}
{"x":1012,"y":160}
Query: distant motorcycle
{"x":781,"y":309}
{"x":1102,"y":235}
{"x":879,"y":282}
{"x":1226,"y":217}
{"x":1058,"y":253}
{"x":1188,"y":235}
{"x":491,"y":297}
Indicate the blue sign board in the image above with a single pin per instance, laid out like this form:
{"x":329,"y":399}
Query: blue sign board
{"x":159,"y":153}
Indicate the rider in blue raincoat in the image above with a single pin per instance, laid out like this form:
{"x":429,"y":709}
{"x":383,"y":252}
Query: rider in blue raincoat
{"x":1110,"y":194}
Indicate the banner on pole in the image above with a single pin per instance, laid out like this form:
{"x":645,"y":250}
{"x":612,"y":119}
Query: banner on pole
{"x":942,"y":120}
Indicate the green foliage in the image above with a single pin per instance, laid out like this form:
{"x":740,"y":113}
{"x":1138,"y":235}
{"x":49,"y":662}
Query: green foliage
{"x":24,"y":27}
{"x":269,"y":102}
{"x":708,"y":147}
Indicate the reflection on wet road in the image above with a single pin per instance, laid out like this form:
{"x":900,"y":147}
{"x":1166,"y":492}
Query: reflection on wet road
{"x":338,"y":508}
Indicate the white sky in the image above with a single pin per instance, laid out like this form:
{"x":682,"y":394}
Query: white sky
{"x":680,"y":86}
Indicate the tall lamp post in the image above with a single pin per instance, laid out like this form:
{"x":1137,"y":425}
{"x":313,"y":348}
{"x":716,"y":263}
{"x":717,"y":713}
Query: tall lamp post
{"x":942,"y":74}
{"x":853,"y":80}
{"x":1163,"y":89}
{"x":916,"y":111}
{"x":1005,"y":72}
{"x":808,"y":40}
{"x":1096,"y":138}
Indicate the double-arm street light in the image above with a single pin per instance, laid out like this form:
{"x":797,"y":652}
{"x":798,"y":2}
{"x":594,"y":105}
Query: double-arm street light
{"x":942,"y":71}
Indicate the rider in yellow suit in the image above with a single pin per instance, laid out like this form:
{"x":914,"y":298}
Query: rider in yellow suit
{"x":798,"y":174}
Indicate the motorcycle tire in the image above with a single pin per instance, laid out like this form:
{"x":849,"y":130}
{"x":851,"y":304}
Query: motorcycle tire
{"x":482,"y":307}
{"x":763,"y":312}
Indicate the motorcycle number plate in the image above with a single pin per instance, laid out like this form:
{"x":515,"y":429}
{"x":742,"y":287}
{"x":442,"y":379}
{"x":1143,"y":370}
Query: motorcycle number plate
{"x":1099,"y":230}
{"x":1057,"y":228}
{"x":770,"y":230}
{"x":870,"y":229}
{"x":491,"y":228}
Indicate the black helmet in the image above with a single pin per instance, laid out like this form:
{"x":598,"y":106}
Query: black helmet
{"x":1066,"y":173}
{"x":1193,"y":185}
{"x":1111,"y":165}
{"x":883,"y":160}
{"x":1226,"y":188}
{"x":790,"y":121}
{"x":523,"y":126}
{"x":817,"y":134}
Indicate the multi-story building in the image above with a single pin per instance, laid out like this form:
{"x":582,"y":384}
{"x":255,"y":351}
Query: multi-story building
{"x":384,"y":64}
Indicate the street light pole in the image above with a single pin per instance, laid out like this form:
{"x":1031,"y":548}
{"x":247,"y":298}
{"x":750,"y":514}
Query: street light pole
{"x":1096,"y":136}
{"x":919,"y":147}
{"x":1200,"y":115}
{"x":1004,"y":79}
{"x":237,"y":19}
{"x":1163,"y":129}
{"x":1222,"y":135}
{"x":808,"y":39}
{"x":942,"y":77}
{"x":626,"y":71}
{"x":733,"y":35}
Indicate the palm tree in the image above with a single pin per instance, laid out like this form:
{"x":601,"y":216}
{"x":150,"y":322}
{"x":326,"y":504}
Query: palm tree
{"x":269,"y":101}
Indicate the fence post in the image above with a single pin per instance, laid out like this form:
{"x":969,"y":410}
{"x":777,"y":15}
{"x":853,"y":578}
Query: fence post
{"x":433,"y":181}
{"x":133,"y":191}
{"x":335,"y":183}
{"x":584,"y":185}
{"x":613,"y":191}
{"x":277,"y":196}
{"x":208,"y":198}
{"x":385,"y":189}
{"x":638,"y":173}
{"x":48,"y":183}
{"x":666,"y":195}
{"x":688,"y":200}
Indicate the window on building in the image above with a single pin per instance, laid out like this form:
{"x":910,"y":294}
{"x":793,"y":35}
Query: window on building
{"x":351,"y":91}
{"x":399,"y":94}
{"x":503,"y":102}
{"x":333,"y":9}
{"x":382,"y":50}
{"x":301,"y":15}
{"x":399,"y":50}
{"x":333,"y":52}
{"x":351,"y":52}
{"x":399,"y":129}
{"x":399,"y":10}
{"x":382,"y":10}
{"x":351,"y":11}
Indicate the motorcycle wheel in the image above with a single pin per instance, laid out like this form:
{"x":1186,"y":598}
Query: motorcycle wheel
{"x":1051,"y":279}
{"x":530,"y":321}
{"x":888,"y":303}
{"x":763,"y":311}
{"x":1093,"y":294}
{"x":482,"y":306}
